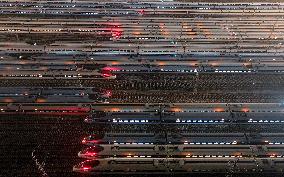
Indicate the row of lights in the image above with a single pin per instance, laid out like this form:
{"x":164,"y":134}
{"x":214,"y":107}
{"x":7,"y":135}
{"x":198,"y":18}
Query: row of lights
{"x":116,"y":143}
{"x":200,"y":121}
{"x":224,"y":71}
{"x":209,"y":143}
{"x":131,"y":121}
{"x":137,"y":156}
{"x":265,"y":121}
{"x":213,"y":156}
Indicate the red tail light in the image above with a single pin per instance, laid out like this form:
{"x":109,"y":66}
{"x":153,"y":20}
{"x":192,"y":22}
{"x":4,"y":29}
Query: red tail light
{"x":86,"y":168}
{"x":91,"y":153}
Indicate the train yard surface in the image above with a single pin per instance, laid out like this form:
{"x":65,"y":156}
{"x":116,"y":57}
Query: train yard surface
{"x":152,"y":87}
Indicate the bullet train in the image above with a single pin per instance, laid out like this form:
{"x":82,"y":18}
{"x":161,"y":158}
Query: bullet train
{"x":183,"y":117}
{"x":210,"y":150}
{"x":121,"y":49}
{"x":222,"y":113}
{"x":111,"y":138}
{"x":179,"y":165}
{"x":185,"y":150}
{"x":123,"y":117}
{"x":185,"y":138}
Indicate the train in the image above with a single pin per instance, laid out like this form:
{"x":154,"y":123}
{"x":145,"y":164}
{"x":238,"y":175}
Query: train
{"x":134,"y":50}
{"x":165,"y":116}
{"x":200,"y":150}
{"x":179,"y":165}
{"x":111,"y":138}
{"x":151,"y":150}
{"x":162,"y":138}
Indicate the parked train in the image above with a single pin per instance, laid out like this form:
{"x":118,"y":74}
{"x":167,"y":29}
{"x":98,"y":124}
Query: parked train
{"x":179,"y":165}
{"x":121,"y":49}
{"x":111,"y":138}
{"x":183,"y":117}
{"x":185,"y":138}
{"x":211,"y":150}
{"x":151,"y":150}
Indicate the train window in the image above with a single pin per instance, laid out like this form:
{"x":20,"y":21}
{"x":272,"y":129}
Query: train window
{"x":138,"y":147}
{"x":220,"y":147}
{"x":134,"y":162}
{"x":204,"y":161}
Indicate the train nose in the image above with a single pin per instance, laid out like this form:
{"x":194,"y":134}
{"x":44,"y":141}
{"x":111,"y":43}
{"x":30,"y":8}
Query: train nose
{"x":76,"y":168}
{"x":90,"y":140}
{"x":87,"y":154}
{"x":93,"y":140}
{"x":81,"y":170}
{"x":83,"y":167}
{"x":90,"y":152}
{"x":86,"y":166}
